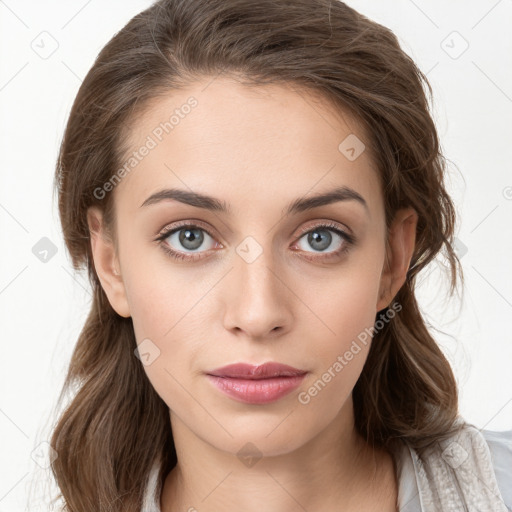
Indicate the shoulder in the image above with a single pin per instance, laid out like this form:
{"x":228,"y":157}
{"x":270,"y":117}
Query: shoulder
{"x":500,"y":447}
{"x":489,"y":453}
{"x":470,"y":468}
{"x":152,"y":492}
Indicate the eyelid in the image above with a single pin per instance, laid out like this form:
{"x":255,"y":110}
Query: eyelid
{"x":177,"y":225}
{"x":327,"y":224}
{"x":169,"y":228}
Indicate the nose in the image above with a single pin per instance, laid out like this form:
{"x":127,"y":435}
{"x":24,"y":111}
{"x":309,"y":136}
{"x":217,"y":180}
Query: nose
{"x":258,"y":301}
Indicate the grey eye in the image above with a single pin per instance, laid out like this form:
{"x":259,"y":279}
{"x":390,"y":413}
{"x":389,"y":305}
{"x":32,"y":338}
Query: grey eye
{"x":188,"y":238}
{"x":320,"y":239}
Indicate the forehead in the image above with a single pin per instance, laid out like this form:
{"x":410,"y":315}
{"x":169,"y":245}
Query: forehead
{"x":254,"y":143}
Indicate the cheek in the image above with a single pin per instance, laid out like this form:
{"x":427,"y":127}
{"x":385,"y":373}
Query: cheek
{"x":167,"y":317}
{"x":167,"y":303}
{"x":154,"y":289}
{"x":338,"y":357}
{"x":350,"y":318}
{"x":346,"y":306}
{"x":165,"y":330}
{"x":347,"y":302}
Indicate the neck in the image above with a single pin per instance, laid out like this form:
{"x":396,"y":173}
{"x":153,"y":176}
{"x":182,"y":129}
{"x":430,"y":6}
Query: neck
{"x":334,"y":467}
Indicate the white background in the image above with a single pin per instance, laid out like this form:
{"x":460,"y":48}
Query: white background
{"x":44,"y":305}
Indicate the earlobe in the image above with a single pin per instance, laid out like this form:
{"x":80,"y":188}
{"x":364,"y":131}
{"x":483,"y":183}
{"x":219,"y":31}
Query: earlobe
{"x":399,"y":250}
{"x":106,"y":263}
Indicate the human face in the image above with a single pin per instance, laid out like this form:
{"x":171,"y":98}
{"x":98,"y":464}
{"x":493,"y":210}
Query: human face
{"x":257,"y":288}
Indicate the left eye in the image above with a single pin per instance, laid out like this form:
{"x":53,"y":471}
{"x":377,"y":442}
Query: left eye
{"x":320,"y":238}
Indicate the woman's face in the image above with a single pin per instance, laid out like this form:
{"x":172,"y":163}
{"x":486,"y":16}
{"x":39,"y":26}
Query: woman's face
{"x":256,"y":280}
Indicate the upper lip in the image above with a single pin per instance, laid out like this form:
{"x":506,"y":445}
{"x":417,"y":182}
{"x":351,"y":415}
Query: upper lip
{"x":262,"y":371}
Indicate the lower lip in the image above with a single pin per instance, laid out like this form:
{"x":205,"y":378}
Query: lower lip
{"x":256,"y":391}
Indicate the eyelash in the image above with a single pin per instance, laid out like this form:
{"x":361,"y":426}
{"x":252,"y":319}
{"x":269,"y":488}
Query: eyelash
{"x":349,"y":241}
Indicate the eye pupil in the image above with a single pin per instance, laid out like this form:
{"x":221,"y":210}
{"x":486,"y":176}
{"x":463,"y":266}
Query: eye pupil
{"x":191,"y":238}
{"x":314,"y":238}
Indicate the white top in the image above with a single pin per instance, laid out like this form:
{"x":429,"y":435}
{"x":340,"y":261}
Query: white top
{"x":470,"y":472}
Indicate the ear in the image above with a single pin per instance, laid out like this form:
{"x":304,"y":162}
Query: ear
{"x":106,"y":263}
{"x":399,"y":250}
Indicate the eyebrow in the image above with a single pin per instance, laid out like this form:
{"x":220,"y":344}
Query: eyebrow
{"x":297,"y":206}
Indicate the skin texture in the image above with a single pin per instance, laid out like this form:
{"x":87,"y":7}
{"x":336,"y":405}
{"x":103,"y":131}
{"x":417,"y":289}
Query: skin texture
{"x":257,"y":149}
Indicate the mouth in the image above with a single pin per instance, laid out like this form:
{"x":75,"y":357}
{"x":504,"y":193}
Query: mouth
{"x":256,"y":384}
{"x":255,"y":372}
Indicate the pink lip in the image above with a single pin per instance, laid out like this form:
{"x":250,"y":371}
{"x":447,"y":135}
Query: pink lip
{"x":256,"y":384}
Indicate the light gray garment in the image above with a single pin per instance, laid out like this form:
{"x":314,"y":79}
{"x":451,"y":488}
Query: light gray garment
{"x":470,"y":472}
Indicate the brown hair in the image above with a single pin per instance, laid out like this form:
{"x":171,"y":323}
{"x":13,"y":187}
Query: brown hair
{"x":116,"y":426}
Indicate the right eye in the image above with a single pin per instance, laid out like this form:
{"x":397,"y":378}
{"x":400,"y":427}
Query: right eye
{"x":177,"y":241}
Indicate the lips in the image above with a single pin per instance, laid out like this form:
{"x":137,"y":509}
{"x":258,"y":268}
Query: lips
{"x":254,"y":372}
{"x":256,"y":384}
